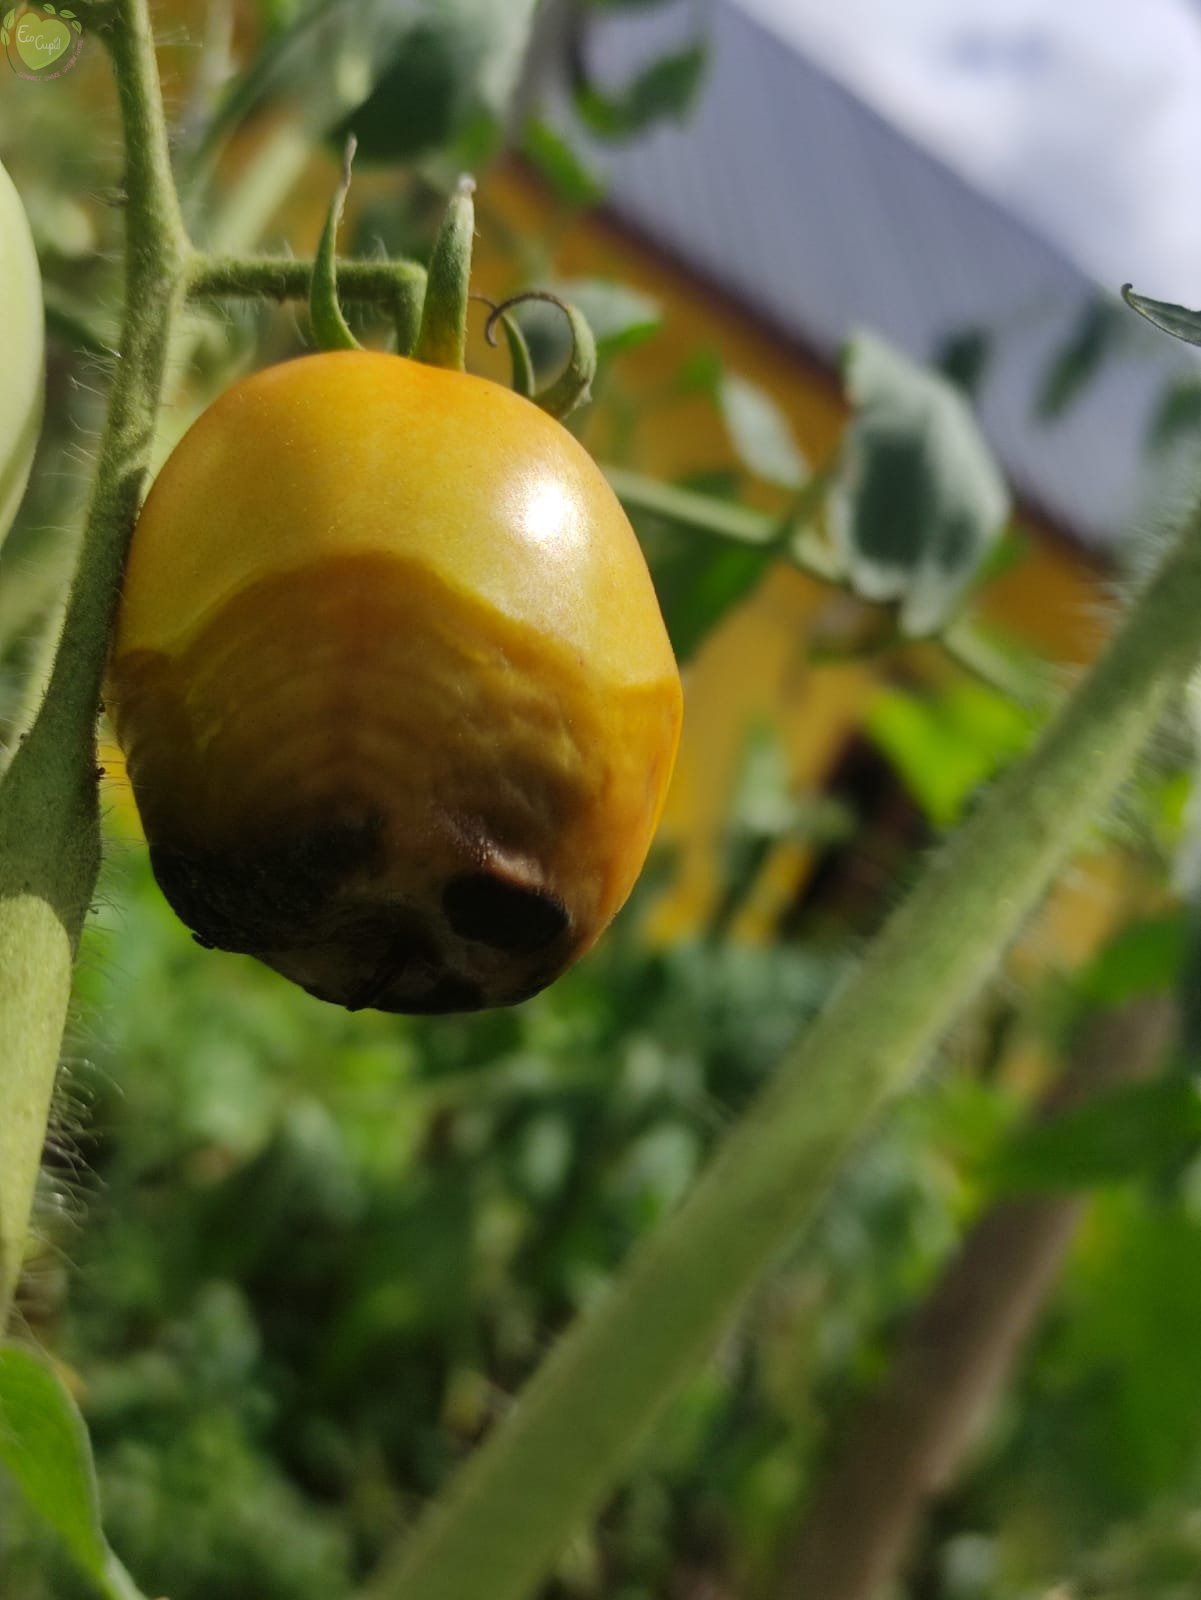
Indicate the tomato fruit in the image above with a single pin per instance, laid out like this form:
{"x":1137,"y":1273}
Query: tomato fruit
{"x":21,"y":391}
{"x":396,"y":697}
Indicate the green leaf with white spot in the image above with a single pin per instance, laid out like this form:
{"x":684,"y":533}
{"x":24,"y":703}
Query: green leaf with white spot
{"x":760,"y":432}
{"x":919,"y":504}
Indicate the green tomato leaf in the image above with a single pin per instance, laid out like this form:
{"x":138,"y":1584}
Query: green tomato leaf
{"x":406,"y":80}
{"x":48,"y":9}
{"x":44,"y":1446}
{"x":1132,"y":1131}
{"x":1147,"y":957}
{"x":666,"y":89}
{"x":1097,"y":334}
{"x":620,"y":317}
{"x":699,"y":591}
{"x":964,"y":357}
{"x":947,"y":746}
{"x":919,"y":503}
{"x":68,"y":14}
{"x":760,"y":432}
{"x":1120,"y":1388}
{"x":706,"y":554}
{"x":1177,"y":417}
{"x":553,"y":158}
{"x":9,"y":18}
{"x":1179,"y":321}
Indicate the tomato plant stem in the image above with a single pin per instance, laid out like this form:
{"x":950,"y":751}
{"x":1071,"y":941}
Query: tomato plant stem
{"x":395,"y":286}
{"x":49,"y":822}
{"x":575,"y":1428}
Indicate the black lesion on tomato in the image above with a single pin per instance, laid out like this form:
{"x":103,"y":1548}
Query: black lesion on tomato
{"x":263,"y":897}
{"x":494,"y":910}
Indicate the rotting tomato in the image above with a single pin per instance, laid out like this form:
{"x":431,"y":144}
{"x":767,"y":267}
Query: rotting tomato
{"x":24,"y":356}
{"x":396,"y":696}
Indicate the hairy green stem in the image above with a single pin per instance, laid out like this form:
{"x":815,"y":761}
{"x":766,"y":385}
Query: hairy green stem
{"x":284,"y":278}
{"x":49,"y":823}
{"x":506,"y":1518}
{"x":397,"y":287}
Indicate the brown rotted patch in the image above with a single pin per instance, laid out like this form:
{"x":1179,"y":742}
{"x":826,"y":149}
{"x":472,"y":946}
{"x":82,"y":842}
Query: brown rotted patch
{"x":255,"y":898}
{"x":493,"y":909}
{"x":491,"y":788}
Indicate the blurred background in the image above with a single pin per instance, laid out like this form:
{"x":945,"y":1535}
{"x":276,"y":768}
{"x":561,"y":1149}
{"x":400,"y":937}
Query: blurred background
{"x":296,"y":1263}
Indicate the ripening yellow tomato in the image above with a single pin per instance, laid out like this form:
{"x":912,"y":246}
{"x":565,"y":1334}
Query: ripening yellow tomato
{"x":392,"y":682}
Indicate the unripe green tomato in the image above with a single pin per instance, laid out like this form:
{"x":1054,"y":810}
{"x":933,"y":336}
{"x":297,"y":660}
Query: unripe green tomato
{"x":23,"y":364}
{"x":395,"y":694}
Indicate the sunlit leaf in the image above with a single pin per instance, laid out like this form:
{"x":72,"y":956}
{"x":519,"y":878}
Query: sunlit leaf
{"x":1179,"y":321}
{"x":946,"y":747}
{"x":920,"y":502}
{"x":760,"y":432}
{"x":44,"y":1446}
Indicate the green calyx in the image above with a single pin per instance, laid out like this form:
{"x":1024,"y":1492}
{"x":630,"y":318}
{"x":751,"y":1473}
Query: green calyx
{"x":573,"y":386}
{"x":442,"y":336}
{"x":329,"y":325}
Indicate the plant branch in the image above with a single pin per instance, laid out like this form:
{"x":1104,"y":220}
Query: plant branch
{"x":965,"y":641}
{"x":49,"y":824}
{"x":382,"y":283}
{"x":574,"y":1430}
{"x":908,"y":1442}
{"x":398,"y":287}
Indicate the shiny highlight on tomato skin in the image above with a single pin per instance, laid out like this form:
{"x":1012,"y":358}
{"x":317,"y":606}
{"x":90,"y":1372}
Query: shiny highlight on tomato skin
{"x":408,"y":768}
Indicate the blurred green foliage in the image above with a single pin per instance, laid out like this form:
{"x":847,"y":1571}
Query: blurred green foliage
{"x":322,"y":1251}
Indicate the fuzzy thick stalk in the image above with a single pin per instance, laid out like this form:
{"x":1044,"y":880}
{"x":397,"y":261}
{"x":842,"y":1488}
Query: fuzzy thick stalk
{"x":49,"y":822}
{"x":573,"y":1432}
{"x":909,"y":1441}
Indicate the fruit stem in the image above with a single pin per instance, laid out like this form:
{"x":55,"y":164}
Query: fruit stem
{"x":442,"y":336}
